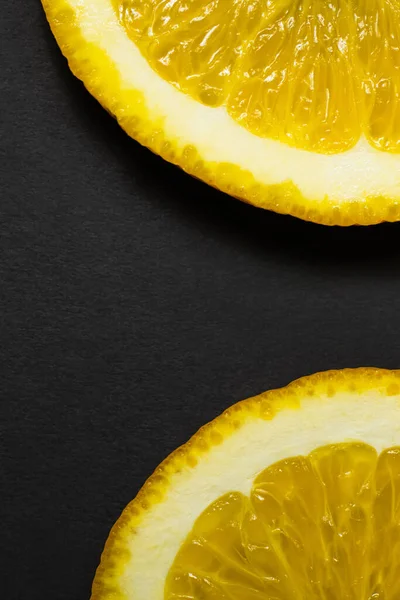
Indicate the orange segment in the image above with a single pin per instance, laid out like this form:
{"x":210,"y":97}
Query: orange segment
{"x":323,"y":526}
{"x":316,"y":75}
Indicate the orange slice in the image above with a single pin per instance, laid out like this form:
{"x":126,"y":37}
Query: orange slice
{"x":289,"y":105}
{"x":289,"y":495}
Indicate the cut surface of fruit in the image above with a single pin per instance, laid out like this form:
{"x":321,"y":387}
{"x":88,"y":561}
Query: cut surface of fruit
{"x":314,"y":74}
{"x":326,"y":525}
{"x":291,"y":106}
{"x":292,"y":494}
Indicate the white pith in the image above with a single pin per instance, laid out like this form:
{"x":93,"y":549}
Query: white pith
{"x":345,"y":176}
{"x":232,"y":466}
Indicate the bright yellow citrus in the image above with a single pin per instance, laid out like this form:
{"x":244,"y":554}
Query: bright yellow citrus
{"x":290,"y":105}
{"x":313,"y":74}
{"x":293,"y":494}
{"x":322,"y":526}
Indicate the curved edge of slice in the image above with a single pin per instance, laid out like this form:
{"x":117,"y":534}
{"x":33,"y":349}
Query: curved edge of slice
{"x":101,"y":77}
{"x":329,"y":385}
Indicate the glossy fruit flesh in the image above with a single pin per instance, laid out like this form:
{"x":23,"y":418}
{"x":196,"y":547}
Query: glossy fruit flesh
{"x":323,"y":526}
{"x":314,"y":74}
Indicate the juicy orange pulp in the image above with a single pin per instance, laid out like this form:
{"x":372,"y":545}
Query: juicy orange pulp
{"x":323,"y":526}
{"x":314,"y":74}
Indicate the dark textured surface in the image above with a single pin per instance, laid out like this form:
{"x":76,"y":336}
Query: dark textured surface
{"x":136,"y":304}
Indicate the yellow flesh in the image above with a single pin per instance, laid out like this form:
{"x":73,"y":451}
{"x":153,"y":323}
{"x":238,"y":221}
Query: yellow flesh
{"x":313,"y":74}
{"x":323,"y":526}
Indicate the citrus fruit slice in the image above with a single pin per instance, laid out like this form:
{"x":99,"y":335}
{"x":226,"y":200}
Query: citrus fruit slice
{"x":289,"y":495}
{"x":292,"y":105}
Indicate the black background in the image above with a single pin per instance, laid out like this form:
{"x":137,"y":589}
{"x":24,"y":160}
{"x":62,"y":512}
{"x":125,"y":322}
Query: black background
{"x":137,"y":304}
